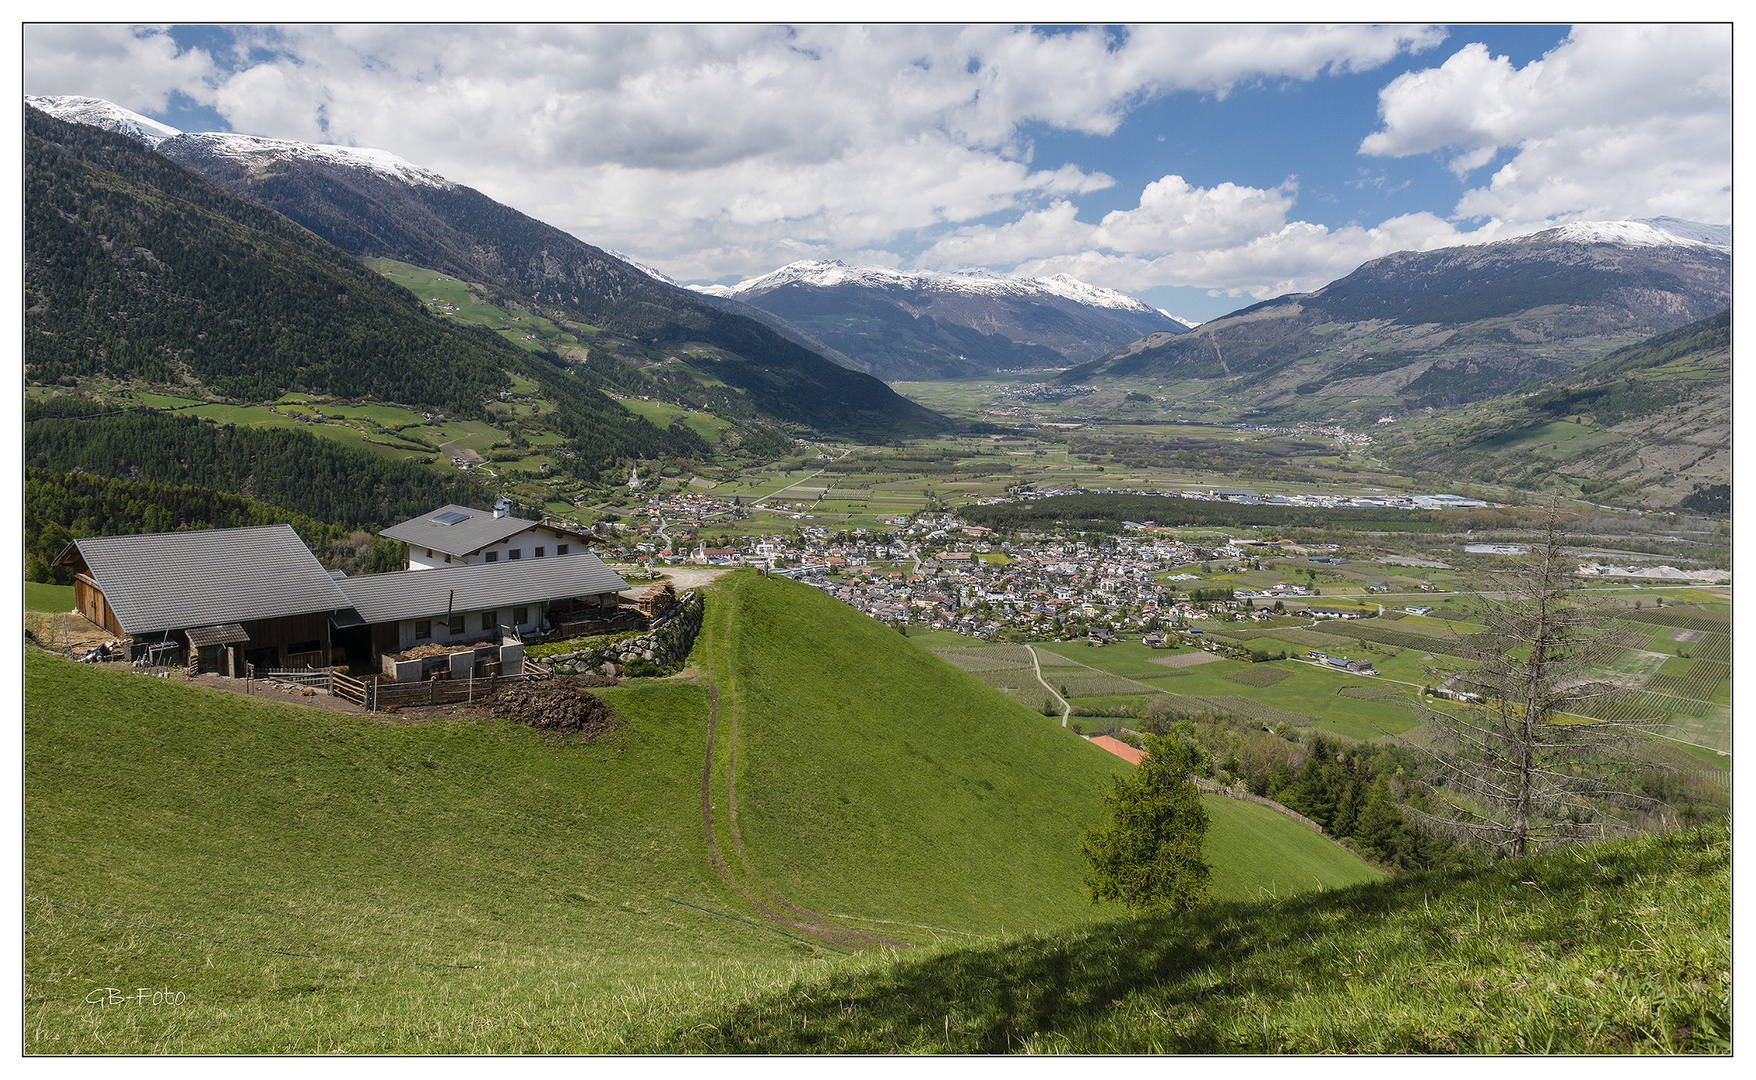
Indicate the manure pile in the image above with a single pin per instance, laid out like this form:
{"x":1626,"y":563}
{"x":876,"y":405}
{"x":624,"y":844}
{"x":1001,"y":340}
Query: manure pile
{"x":560,"y":705}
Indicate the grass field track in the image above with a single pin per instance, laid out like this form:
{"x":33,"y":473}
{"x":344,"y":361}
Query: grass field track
{"x":992,"y":658}
{"x":1188,"y":659}
{"x":1375,"y":692}
{"x":1258,"y":675}
{"x":760,"y":893}
{"x":1398,"y":639}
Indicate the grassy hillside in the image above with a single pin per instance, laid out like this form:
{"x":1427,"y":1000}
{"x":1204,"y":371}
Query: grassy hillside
{"x":873,"y":779}
{"x":324,"y":875}
{"x":1616,"y":947}
{"x":388,"y":854}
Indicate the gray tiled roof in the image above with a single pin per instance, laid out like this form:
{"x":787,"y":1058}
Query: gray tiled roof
{"x":421,"y":594}
{"x":477,"y":530}
{"x":171,"y":581}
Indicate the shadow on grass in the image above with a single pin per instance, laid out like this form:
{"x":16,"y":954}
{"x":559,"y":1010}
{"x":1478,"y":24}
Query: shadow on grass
{"x":1224,"y":969}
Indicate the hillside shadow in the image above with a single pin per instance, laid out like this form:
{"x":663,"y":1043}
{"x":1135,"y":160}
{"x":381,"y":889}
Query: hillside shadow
{"x":993,"y":1000}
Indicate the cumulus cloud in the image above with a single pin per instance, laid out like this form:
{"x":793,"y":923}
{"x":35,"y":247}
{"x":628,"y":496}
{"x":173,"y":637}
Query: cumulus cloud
{"x":137,"y":67}
{"x":1617,"y":121}
{"x":1294,"y":256}
{"x":725,"y":149}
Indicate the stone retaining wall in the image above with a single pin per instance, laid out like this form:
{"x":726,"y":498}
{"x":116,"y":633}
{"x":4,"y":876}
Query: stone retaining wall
{"x":663,"y":645}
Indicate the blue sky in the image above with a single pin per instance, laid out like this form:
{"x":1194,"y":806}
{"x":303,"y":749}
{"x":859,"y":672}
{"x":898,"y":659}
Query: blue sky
{"x":1201,"y":168}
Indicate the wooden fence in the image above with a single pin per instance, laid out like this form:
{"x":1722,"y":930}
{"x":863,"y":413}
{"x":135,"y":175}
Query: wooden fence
{"x":376,"y":695}
{"x":306,"y":676}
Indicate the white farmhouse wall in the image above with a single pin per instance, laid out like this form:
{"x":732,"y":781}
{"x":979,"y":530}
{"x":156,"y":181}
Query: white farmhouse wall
{"x":525,"y":543}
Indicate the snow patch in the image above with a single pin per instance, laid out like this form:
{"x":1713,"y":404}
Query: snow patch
{"x":1717,"y":235}
{"x":1623,"y":233}
{"x":98,"y":113}
{"x":254,"y":151}
{"x":656,"y":275}
{"x":833,"y":273}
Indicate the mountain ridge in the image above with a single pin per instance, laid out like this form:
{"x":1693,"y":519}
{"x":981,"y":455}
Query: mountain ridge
{"x":1417,"y":329}
{"x":927,"y":324}
{"x":373,"y":204}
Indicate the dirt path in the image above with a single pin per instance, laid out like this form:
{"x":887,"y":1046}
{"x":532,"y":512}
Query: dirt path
{"x":1066,"y":706}
{"x":692,"y":577}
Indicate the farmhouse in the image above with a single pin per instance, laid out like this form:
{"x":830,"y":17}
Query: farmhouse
{"x":457,"y":605}
{"x":453,"y":535}
{"x":224,"y":598}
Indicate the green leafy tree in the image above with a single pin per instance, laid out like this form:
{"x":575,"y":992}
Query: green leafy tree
{"x":1149,"y":854}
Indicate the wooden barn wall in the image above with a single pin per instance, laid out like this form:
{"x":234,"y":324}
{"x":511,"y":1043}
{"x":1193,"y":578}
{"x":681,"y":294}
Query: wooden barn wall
{"x":285,"y":631}
{"x":89,"y":599}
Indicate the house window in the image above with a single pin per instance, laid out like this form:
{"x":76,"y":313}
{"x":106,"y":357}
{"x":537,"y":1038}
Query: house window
{"x":429,"y":553}
{"x":447,"y":558}
{"x":539,"y":553}
{"x":455,"y":625}
{"x":490,"y":620}
{"x":423,"y":629}
{"x":520,"y":616}
{"x":560,"y":549}
{"x":493,"y":556}
{"x":513,"y":554}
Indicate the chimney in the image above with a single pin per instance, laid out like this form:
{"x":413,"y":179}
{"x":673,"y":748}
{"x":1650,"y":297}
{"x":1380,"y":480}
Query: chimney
{"x":502,"y":507}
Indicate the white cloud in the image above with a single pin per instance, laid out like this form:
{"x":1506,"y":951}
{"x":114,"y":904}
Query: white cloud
{"x":1617,"y":121}
{"x":722,"y":149}
{"x":1296,"y":256}
{"x":136,"y":67}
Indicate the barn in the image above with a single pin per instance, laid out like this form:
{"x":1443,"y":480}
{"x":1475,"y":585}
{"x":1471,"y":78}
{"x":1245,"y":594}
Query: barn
{"x":227,"y":597}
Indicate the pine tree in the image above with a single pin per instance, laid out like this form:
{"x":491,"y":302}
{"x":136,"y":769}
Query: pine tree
{"x":1149,"y":855}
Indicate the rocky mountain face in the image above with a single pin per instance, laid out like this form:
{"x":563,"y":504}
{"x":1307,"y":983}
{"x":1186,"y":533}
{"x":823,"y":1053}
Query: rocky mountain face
{"x":902,"y":325}
{"x":373,"y":204}
{"x":1436,"y":328}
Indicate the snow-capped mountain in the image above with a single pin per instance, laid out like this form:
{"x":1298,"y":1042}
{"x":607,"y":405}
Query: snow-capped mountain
{"x":251,"y":152}
{"x":98,"y":113}
{"x":834,"y":273}
{"x":1650,"y":232}
{"x":255,"y":153}
{"x":913,"y":324}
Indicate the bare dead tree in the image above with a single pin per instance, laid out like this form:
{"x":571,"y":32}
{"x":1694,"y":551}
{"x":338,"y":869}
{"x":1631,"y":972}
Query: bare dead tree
{"x":1522,"y":763}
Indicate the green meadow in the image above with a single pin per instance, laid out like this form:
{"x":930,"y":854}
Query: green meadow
{"x":313,"y":881}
